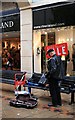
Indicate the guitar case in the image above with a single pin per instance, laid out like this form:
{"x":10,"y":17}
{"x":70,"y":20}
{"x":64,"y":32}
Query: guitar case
{"x":24,"y":100}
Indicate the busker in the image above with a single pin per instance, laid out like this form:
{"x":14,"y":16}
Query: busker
{"x":55,"y":73}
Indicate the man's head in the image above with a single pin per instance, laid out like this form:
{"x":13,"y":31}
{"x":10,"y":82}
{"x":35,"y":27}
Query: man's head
{"x":51,"y":52}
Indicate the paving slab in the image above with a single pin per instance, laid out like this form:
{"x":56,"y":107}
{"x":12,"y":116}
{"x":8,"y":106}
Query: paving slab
{"x":40,"y":111}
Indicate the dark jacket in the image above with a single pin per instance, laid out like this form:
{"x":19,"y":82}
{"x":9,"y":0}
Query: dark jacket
{"x":55,"y":67}
{"x":73,"y":57}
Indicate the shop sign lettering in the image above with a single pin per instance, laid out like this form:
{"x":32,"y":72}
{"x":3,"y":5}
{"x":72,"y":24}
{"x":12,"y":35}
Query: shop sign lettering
{"x":60,"y":49}
{"x":49,"y":26}
{"x":7,"y":24}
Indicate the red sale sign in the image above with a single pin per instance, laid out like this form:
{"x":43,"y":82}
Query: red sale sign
{"x":60,"y":49}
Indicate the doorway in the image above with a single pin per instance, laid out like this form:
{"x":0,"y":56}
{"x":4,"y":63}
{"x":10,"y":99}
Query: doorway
{"x":46,"y":40}
{"x":43,"y":58}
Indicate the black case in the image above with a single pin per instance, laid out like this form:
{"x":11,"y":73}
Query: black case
{"x":24,"y":100}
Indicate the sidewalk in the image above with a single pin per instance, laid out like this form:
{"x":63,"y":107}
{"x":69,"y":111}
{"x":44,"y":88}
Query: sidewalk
{"x":41,"y":111}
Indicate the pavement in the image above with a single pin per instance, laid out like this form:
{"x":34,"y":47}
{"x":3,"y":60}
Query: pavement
{"x":40,"y":111}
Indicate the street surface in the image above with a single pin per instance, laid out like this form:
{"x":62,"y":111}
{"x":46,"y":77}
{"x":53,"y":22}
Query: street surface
{"x":41,"y":111}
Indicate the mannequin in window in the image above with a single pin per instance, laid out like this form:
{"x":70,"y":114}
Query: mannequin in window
{"x":64,"y":60}
{"x":73,"y":57}
{"x":42,"y":50}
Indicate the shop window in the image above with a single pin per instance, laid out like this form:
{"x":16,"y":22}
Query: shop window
{"x":51,"y":38}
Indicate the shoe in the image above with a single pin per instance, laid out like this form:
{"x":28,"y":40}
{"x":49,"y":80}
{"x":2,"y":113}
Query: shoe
{"x":58,"y":105}
{"x":51,"y":105}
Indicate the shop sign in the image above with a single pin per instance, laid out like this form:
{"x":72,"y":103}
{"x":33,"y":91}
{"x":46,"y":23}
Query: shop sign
{"x":10,"y":23}
{"x":6,"y":24}
{"x":60,"y":49}
{"x":49,"y":26}
{"x":53,"y":16}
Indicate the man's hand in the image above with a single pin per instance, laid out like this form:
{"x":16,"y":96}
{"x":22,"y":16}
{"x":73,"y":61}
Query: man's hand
{"x":47,"y":85}
{"x":47,"y":74}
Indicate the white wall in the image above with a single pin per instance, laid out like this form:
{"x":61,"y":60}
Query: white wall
{"x":26,"y":40}
{"x":37,"y":57}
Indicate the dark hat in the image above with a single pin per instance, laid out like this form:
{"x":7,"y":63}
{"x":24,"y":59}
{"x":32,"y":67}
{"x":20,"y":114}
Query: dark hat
{"x":50,"y":50}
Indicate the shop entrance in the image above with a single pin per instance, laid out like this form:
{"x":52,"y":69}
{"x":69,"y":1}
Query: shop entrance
{"x":46,"y":39}
{"x":11,"y":51}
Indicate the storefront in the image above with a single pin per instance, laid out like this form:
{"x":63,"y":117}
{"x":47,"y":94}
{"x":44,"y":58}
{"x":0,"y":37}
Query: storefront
{"x":10,"y":31}
{"x":53,"y":24}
